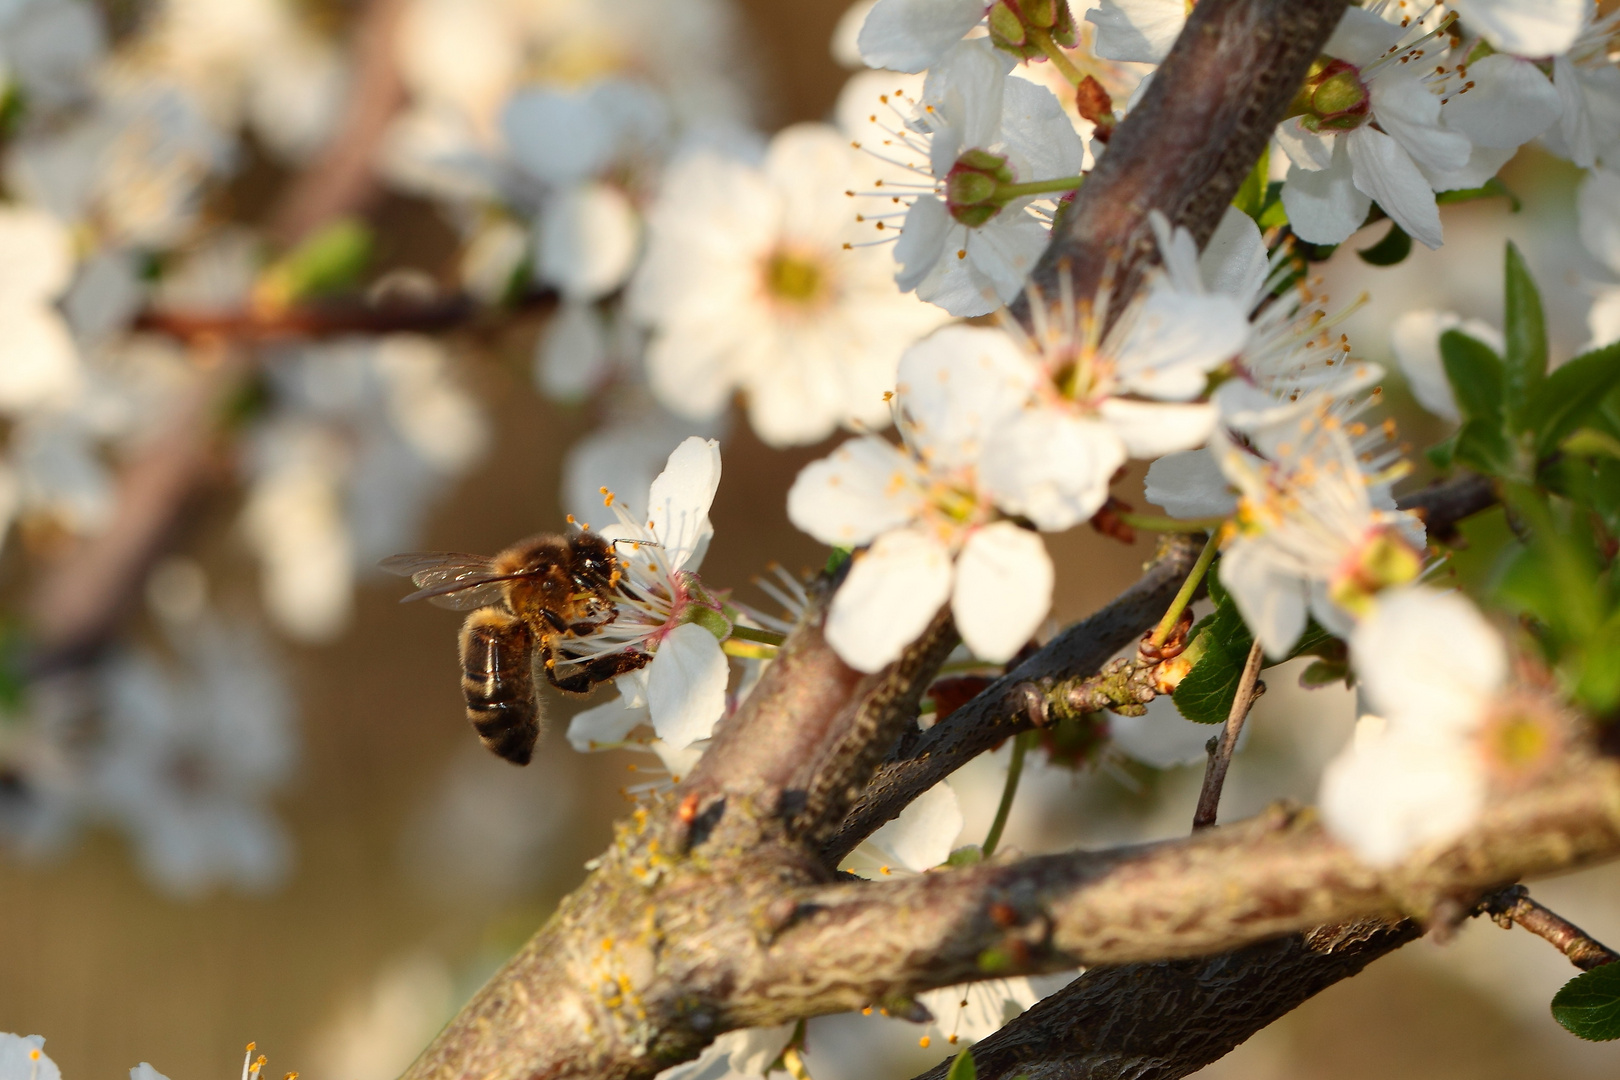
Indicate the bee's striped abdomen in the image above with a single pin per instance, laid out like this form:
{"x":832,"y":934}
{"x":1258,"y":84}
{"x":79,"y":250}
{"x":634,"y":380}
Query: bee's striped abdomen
{"x":497,"y":679}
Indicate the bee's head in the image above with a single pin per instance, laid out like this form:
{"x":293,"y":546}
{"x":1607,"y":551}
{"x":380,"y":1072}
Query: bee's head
{"x":593,"y":555}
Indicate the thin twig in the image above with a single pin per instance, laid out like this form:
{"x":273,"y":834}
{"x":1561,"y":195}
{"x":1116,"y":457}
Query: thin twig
{"x":1015,"y":769}
{"x":1209,"y":799}
{"x":1513,"y":905}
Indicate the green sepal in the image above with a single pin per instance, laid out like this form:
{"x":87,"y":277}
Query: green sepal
{"x":962,"y":1067}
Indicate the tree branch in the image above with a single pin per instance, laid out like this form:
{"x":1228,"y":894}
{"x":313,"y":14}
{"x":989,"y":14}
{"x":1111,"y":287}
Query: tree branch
{"x":1110,"y":1024}
{"x":1002,"y":709}
{"x":1513,"y":905}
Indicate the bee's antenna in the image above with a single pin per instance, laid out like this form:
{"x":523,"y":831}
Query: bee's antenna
{"x":637,"y":543}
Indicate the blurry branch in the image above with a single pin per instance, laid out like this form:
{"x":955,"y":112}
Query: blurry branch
{"x":342,"y":178}
{"x":83,"y":593}
{"x":1109,"y":1023}
{"x":312,"y":320}
{"x":1513,"y":905}
{"x":82,"y":596}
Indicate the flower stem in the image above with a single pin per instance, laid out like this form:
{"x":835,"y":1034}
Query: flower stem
{"x":754,"y":633}
{"x":1155,"y":523}
{"x":748,"y":650}
{"x":1015,"y":769}
{"x":1188,"y":587}
{"x":1037,"y":187}
{"x":1054,"y":52}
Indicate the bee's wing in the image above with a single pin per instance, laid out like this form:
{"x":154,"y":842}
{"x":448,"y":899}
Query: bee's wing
{"x":449,"y":579}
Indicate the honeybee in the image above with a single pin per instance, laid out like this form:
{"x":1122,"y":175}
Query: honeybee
{"x":522,"y":602}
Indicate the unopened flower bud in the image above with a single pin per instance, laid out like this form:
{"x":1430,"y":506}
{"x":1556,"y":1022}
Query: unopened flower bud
{"x":1018,"y":26}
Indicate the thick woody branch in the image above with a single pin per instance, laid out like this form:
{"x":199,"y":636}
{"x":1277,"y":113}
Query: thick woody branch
{"x":1184,"y":149}
{"x":1110,"y":1024}
{"x":813,"y":731}
{"x":1218,"y":890}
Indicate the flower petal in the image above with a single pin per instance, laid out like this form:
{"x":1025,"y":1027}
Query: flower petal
{"x":1190,"y":485}
{"x":1509,"y":103}
{"x":1324,"y":206}
{"x":1139,"y":31}
{"x":1234,"y":261}
{"x":1407,"y":678}
{"x":605,"y":725}
{"x":890,"y":595}
{"x":1539,"y":28}
{"x":686,"y":685}
{"x":1392,"y":792}
{"x":1003,"y":590}
{"x":1150,"y":429}
{"x":910,"y":35}
{"x":1051,"y":467}
{"x":1415,"y":339}
{"x":589,"y":236}
{"x":957,"y":387}
{"x":679,"y":500}
{"x":1382,"y":169}
{"x":922,"y":241}
{"x":1272,"y":601}
{"x":864,"y":488}
{"x":924,"y":834}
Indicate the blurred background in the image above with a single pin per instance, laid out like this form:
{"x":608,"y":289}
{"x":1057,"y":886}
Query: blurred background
{"x":275,"y":312}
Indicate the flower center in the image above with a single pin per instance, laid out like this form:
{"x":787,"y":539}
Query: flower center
{"x":971,"y":187}
{"x":1384,"y":559}
{"x":1334,"y":98}
{"x":794,"y":278}
{"x":1520,"y":738}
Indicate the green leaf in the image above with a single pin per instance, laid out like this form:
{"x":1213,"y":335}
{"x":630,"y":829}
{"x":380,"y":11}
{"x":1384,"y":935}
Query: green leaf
{"x":1476,"y":375}
{"x":1251,"y":194}
{"x":1272,"y":212}
{"x":1206,"y":693}
{"x":962,"y":1067}
{"x":1589,"y":1004}
{"x":1563,"y":401}
{"x":1393,"y":248}
{"x":1442,"y":452}
{"x":1525,"y":328}
{"x":1490,"y":190}
{"x":1483,"y":447}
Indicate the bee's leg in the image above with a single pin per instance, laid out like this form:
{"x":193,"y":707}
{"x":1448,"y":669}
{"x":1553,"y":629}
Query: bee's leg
{"x":591,"y":672}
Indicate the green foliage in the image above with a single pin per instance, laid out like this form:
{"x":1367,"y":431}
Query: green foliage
{"x":962,"y":1067}
{"x":1589,"y":1004}
{"x":1570,"y":395}
{"x":1251,"y":194}
{"x":329,"y":261}
{"x":1492,"y":188}
{"x":1393,"y":248}
{"x":1561,"y":577}
{"x":1525,"y":329}
{"x":1219,"y":646}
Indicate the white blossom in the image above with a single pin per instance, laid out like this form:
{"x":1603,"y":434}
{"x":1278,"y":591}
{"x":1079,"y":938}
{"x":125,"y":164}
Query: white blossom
{"x":24,"y":1058}
{"x":1414,"y":774}
{"x":923,"y":510}
{"x":751,"y":283}
{"x":684,"y":687}
{"x":910,"y":35}
{"x":1315,"y":533}
{"x":1137,"y":30}
{"x":973,"y":118}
